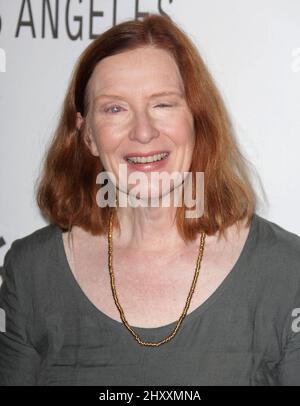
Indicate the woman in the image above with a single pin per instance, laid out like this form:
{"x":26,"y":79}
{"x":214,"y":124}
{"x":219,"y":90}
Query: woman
{"x":112,"y":295}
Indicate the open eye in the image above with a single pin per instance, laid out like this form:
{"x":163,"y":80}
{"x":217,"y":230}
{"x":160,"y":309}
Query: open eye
{"x":112,"y":109}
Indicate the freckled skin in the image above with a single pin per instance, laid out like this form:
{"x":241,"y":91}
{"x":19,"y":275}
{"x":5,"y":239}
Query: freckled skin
{"x":134,"y":121}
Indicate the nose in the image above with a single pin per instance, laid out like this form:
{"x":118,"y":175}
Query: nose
{"x":143,"y":128}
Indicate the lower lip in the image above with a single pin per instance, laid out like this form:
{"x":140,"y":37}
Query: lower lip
{"x":149,"y":166}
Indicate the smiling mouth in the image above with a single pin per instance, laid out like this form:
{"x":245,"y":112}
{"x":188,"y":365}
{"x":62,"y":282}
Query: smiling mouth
{"x":147,"y":159}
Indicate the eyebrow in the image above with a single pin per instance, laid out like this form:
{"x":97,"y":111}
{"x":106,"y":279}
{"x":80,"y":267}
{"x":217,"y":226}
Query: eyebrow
{"x":165,"y":93}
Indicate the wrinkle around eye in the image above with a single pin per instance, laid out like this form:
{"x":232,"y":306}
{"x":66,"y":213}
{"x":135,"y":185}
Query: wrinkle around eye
{"x":164,"y":105}
{"x":108,"y":110}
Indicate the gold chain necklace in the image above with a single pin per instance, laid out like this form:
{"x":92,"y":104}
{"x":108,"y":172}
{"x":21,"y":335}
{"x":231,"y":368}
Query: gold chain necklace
{"x":187,"y":304}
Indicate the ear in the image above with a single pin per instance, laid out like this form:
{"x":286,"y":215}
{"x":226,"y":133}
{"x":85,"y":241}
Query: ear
{"x":79,"y":120}
{"x":87,"y":135}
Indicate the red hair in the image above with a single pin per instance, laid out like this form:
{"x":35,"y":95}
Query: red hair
{"x":66,"y":189}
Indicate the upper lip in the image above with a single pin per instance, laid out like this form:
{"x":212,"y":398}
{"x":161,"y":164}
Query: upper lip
{"x":145,"y":154}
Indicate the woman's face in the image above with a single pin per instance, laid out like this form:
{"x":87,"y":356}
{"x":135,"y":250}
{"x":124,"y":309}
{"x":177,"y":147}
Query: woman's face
{"x":137,"y":108}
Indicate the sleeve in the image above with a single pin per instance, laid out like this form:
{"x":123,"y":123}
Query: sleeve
{"x":288,"y":372}
{"x":18,"y":359}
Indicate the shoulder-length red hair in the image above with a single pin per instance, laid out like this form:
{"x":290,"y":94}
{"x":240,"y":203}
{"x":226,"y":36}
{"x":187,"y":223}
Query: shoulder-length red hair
{"x":66,"y":188}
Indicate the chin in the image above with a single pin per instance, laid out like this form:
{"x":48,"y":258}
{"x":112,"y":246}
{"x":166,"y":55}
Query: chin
{"x":145,"y":198}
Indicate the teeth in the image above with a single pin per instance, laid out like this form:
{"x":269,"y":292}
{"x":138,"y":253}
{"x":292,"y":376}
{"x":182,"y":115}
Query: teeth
{"x":142,"y":160}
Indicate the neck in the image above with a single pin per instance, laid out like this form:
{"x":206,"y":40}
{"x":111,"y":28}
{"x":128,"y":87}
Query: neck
{"x":147,"y":229}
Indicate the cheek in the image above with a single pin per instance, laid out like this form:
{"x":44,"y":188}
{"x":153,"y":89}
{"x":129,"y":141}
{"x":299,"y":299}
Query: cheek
{"x":107,"y":139}
{"x":183,"y":132}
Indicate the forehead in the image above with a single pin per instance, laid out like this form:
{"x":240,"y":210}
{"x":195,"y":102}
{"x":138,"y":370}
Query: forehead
{"x":139,"y":69}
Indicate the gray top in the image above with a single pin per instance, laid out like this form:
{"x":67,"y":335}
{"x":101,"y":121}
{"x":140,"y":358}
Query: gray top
{"x":245,"y":333}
